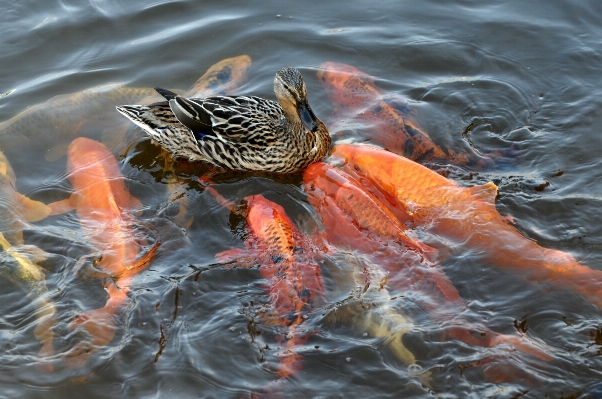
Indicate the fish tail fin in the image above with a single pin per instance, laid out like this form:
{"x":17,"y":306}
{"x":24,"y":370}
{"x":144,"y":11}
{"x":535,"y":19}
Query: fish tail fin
{"x":33,"y":210}
{"x":140,"y":264}
{"x":207,"y":182}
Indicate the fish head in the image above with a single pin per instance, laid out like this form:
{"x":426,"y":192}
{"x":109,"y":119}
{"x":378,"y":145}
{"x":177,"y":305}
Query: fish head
{"x":346,"y":85}
{"x":335,"y":75}
{"x":261,"y":210}
{"x":271,"y":226}
{"x":321,"y":179}
{"x":94,"y":173}
{"x":317,"y":184}
{"x":313,"y":172}
{"x":84,"y":153}
{"x":367,"y":164}
{"x":338,"y":200}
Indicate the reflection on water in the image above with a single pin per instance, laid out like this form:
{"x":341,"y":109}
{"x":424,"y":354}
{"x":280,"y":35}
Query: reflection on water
{"x":477,"y":78}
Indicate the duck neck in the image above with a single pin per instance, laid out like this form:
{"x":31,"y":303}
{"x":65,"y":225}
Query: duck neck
{"x":317,"y":142}
{"x":314,"y":143}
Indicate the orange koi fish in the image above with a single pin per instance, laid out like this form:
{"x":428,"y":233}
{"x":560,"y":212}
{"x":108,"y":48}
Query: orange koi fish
{"x":386,"y":119}
{"x":103,"y":205}
{"x":286,"y":259}
{"x":464,"y":216}
{"x":355,"y":219}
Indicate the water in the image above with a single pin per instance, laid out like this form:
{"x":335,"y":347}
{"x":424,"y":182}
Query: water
{"x":527,"y":73}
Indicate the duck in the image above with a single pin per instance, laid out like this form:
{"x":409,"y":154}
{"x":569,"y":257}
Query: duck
{"x":239,"y":132}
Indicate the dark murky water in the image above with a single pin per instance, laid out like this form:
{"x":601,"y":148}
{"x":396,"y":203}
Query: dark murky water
{"x":526,"y":73}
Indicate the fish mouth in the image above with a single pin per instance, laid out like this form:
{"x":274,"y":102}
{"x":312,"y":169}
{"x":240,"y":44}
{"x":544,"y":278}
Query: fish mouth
{"x":313,"y":171}
{"x":307,"y":117}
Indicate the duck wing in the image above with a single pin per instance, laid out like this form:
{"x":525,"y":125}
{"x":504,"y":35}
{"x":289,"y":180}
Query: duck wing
{"x":229,"y":118}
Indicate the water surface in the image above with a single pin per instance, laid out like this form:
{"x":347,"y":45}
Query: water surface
{"x":524,"y":73}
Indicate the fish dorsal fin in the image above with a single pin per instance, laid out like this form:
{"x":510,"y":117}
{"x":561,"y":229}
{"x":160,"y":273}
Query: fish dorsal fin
{"x":486,"y":193}
{"x":63,"y":206}
{"x":32,"y":210}
{"x":398,"y":103}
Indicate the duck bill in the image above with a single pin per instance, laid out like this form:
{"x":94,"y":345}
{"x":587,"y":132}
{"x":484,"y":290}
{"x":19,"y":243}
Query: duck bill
{"x":307,"y":117}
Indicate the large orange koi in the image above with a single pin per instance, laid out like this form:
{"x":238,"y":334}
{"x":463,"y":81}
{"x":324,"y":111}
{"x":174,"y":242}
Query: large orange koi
{"x":387,"y":119}
{"x":353,"y":218}
{"x":287,"y":261}
{"x":103,"y":205}
{"x":464,"y":216}
{"x":357,"y":220}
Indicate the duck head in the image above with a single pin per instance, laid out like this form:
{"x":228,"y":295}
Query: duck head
{"x":290,"y":90}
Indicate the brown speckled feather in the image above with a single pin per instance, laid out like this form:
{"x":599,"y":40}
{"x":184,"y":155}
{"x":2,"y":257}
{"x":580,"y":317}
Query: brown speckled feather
{"x":242,"y":132}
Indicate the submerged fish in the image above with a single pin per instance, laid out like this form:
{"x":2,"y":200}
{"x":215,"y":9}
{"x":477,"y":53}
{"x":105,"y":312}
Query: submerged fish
{"x":104,"y":205}
{"x":356,"y":220}
{"x":464,"y":217}
{"x":386,"y":118}
{"x":17,"y":261}
{"x":66,"y":116}
{"x":387,"y":121}
{"x":52,"y":124}
{"x":222,"y":78}
{"x":287,"y":260}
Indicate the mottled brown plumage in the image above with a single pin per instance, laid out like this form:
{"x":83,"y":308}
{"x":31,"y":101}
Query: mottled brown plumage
{"x":239,"y":132}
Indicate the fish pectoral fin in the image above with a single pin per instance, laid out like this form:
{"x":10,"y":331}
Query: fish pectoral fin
{"x":32,"y":210}
{"x":135,"y":203}
{"x":32,"y":252}
{"x":486,"y":192}
{"x":62,"y":206}
{"x":140,"y":264}
{"x":85,"y":267}
{"x":238,"y":257}
{"x":56,"y":152}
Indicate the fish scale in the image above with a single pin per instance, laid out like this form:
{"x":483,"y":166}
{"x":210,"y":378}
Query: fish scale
{"x":356,"y":96}
{"x":103,"y":205}
{"x":467,"y":217}
{"x":357,"y":221}
{"x":287,"y":262}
